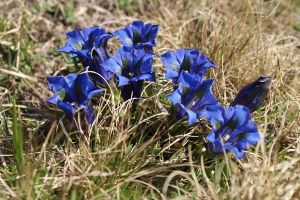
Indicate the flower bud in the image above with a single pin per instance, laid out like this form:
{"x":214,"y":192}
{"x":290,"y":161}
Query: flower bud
{"x":254,"y":94}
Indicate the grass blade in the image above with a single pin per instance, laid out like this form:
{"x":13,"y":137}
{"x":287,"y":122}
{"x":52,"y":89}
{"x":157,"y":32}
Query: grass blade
{"x":17,"y":139}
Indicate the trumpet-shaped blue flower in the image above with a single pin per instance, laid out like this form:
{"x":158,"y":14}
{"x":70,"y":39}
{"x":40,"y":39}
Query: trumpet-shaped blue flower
{"x":73,"y":92}
{"x":189,"y":60}
{"x":131,"y":67}
{"x":192,"y":95}
{"x":232,"y":129}
{"x":138,"y":35}
{"x":80,"y":43}
{"x":89,"y":45}
{"x":254,"y":94}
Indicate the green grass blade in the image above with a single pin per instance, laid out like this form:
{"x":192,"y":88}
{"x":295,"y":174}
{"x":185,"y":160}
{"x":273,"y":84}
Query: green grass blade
{"x":17,"y":139}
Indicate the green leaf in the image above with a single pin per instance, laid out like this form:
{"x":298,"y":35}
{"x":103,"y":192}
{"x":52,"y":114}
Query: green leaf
{"x":17,"y":139}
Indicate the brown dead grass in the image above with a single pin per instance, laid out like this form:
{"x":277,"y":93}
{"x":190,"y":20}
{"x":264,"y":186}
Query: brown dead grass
{"x":244,"y":38}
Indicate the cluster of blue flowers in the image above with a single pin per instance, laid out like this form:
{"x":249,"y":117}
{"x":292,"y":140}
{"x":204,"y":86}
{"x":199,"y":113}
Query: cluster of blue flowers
{"x":131,"y":65}
{"x":232,"y":128}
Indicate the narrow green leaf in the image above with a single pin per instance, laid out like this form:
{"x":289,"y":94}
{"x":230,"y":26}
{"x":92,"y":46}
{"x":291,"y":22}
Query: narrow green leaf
{"x":17,"y":139}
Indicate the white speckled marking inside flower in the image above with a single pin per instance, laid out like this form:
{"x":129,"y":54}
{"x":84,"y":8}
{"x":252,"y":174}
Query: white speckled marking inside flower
{"x":128,"y":41}
{"x":174,"y":65}
{"x":78,"y":46}
{"x":118,"y":70}
{"x":226,"y":138}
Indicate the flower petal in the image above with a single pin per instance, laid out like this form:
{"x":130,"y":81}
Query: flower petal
{"x":171,"y":63}
{"x":67,"y":108}
{"x":238,"y":153}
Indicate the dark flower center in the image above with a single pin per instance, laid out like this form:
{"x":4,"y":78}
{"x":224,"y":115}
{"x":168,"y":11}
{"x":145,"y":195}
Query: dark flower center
{"x":232,"y":123}
{"x":185,"y":64}
{"x":91,"y":40}
{"x":224,"y":133}
{"x":194,"y":99}
{"x":136,"y":38}
{"x":78,"y":90}
{"x":125,"y":68}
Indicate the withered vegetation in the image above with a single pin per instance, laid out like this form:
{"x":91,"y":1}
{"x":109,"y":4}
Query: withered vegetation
{"x":146,"y":154}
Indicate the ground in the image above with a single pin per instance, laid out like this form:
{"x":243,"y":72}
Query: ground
{"x":145,"y":154}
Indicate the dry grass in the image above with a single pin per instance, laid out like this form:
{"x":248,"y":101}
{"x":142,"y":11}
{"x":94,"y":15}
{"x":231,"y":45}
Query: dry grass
{"x":144,"y":155}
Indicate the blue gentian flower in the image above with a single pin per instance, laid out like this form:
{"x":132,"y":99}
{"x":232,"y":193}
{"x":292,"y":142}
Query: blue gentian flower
{"x":232,"y":129}
{"x":131,"y":67}
{"x":254,"y":94}
{"x":73,"y":92}
{"x":89,"y":45}
{"x":138,"y":35}
{"x":192,"y":95}
{"x":189,"y":60}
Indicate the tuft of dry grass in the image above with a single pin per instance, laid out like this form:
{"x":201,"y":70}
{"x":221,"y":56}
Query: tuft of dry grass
{"x":146,"y":154}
